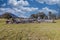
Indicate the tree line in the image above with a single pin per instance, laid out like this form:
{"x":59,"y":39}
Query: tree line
{"x":42,"y":15}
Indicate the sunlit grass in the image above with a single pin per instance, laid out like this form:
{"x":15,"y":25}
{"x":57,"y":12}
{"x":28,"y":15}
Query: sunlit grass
{"x":30,"y":31}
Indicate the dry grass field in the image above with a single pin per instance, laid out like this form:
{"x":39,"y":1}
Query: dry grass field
{"x":30,"y":31}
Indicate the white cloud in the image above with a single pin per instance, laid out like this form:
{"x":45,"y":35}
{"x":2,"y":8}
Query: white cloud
{"x":14,"y":11}
{"x":50,"y":2}
{"x":6,"y":10}
{"x":46,"y":10}
{"x":25,"y":9}
{"x":18,"y":3}
{"x":21,"y":11}
{"x":18,"y":7}
{"x":29,"y":9}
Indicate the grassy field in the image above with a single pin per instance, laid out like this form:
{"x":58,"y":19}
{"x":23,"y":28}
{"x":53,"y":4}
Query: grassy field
{"x":30,"y":31}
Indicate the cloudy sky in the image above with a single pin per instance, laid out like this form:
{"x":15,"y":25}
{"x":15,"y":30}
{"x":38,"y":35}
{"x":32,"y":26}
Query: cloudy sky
{"x":24,"y":8}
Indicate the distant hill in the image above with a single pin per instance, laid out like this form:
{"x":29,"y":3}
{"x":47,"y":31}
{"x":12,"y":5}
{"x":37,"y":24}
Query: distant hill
{"x":13,"y":15}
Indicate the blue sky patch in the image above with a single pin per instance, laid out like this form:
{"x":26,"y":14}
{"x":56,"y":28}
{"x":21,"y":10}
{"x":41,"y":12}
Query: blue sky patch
{"x":24,"y":8}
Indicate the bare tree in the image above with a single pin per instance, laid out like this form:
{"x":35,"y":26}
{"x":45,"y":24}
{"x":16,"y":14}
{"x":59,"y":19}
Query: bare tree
{"x":34,"y":16}
{"x":41,"y":15}
{"x":50,"y":15}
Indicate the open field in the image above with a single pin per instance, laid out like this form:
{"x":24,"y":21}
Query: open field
{"x":30,"y":31}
